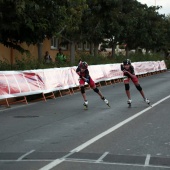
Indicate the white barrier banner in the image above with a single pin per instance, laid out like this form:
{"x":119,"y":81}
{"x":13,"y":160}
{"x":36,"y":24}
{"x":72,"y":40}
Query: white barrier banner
{"x":22,"y":83}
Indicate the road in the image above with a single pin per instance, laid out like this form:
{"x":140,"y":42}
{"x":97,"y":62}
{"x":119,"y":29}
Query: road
{"x":60,"y":135}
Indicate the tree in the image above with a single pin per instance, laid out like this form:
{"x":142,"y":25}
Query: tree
{"x":167,"y":36}
{"x":129,"y":20}
{"x":112,"y":25}
{"x":73,"y":21}
{"x":152,"y":31}
{"x":29,"y":21}
{"x":92,"y":26}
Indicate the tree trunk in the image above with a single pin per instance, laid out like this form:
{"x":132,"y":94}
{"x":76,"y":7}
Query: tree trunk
{"x":96,"y":45}
{"x":72,"y":53}
{"x":113,"y":50}
{"x":147,"y":51}
{"x":154,"y":51}
{"x":40,"y":54}
{"x":127,"y":51}
{"x":91,"y":48}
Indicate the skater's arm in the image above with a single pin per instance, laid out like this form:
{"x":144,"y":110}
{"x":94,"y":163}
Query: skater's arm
{"x":131,"y":75}
{"x":87,"y":76}
{"x":78,"y":70}
{"x":122,"y":67}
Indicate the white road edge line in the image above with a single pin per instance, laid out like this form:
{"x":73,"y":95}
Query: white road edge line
{"x":148,"y":157}
{"x":96,"y":138}
{"x":26,"y":154}
{"x":102,"y":157}
{"x":119,"y":164}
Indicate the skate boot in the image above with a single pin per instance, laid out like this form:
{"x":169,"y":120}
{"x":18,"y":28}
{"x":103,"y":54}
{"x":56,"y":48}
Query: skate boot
{"x":106,"y":101}
{"x":147,"y":101}
{"x":129,"y":102}
{"x":85,"y":104}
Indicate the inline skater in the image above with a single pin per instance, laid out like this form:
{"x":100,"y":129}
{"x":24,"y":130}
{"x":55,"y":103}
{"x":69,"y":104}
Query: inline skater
{"x":128,"y":71}
{"x":83,"y":72}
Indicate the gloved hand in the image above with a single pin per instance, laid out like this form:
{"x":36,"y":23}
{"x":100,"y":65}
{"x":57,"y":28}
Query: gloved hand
{"x":87,"y":80}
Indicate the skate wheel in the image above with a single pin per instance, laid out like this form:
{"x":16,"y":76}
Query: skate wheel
{"x":85,"y":107}
{"x":108,"y":104}
{"x":150,"y":105}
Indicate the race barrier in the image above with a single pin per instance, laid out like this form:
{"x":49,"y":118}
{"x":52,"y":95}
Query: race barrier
{"x":46,"y":81}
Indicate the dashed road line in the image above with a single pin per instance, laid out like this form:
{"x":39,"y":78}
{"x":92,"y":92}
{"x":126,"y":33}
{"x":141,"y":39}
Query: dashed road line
{"x":26,"y":154}
{"x":118,"y":164}
{"x":148,"y":157}
{"x":56,"y":162}
{"x":102,"y":157}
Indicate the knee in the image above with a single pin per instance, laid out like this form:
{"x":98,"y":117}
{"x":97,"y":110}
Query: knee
{"x":96,"y":90}
{"x":82,"y":89}
{"x":139,"y":87}
{"x":127,"y":87}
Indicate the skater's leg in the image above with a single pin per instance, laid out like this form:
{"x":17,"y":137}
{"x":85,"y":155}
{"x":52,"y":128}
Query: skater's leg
{"x":139,"y":88}
{"x":83,"y":92}
{"x":97,"y":91}
{"x":82,"y":88}
{"x":101,"y":95}
{"x":93,"y":86}
{"x":127,"y":87}
{"x":142,"y":93}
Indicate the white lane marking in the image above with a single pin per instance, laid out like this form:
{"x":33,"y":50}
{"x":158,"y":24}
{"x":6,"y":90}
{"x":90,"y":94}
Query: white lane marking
{"x":96,"y":138}
{"x":102,"y":157}
{"x":29,"y":160}
{"x":148,"y":157}
{"x":112,"y":129}
{"x":118,"y":164}
{"x":56,"y":162}
{"x":23,"y":156}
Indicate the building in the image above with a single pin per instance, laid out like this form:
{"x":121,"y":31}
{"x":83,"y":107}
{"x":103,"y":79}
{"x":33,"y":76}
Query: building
{"x":52,"y":46}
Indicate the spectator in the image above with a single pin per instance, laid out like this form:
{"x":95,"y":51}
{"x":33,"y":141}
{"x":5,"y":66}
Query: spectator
{"x":47,"y":57}
{"x":60,"y":57}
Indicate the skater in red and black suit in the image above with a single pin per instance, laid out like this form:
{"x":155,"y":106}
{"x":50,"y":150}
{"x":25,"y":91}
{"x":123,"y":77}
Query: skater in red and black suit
{"x":129,"y":72}
{"x":83,"y":72}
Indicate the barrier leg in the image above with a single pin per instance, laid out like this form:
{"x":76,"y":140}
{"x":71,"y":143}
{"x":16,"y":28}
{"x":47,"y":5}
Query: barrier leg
{"x":108,"y":82}
{"x":52,"y":96}
{"x":60,"y":93}
{"x":7,"y":103}
{"x":72,"y":90}
{"x":44,"y":97}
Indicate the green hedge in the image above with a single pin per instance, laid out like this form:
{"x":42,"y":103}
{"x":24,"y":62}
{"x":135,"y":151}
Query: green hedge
{"x":28,"y":63}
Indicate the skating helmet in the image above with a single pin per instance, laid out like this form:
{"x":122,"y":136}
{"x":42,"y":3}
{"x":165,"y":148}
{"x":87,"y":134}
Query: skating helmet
{"x":127,"y":61}
{"x":83,"y":65}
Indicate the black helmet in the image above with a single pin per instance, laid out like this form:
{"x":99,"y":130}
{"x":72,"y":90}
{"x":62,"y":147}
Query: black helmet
{"x":127,"y":61}
{"x":83,"y":65}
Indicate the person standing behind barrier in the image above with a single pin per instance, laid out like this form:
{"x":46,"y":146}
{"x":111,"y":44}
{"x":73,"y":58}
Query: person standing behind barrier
{"x":83,"y":72}
{"x":129,"y":73}
{"x":60,"y":57}
{"x":47,"y":57}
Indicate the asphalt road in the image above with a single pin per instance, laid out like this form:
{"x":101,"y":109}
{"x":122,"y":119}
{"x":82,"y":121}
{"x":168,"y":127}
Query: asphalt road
{"x":60,"y":135}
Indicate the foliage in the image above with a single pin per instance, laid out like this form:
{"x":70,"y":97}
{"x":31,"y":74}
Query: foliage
{"x":111,"y":21}
{"x":29,"y":63}
{"x":29,"y":21}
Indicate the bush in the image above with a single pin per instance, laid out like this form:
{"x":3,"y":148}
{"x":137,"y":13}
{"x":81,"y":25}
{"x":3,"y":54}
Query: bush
{"x":5,"y":64}
{"x":30,"y":63}
{"x":119,"y":58}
